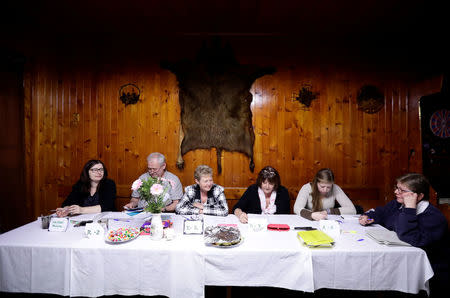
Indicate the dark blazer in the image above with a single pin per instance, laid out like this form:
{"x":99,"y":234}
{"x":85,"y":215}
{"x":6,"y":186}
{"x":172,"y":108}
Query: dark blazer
{"x":250,"y":203}
{"x":106,"y":193}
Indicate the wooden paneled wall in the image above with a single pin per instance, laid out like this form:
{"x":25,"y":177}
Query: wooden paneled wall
{"x":16,"y":209}
{"x":73,"y":113}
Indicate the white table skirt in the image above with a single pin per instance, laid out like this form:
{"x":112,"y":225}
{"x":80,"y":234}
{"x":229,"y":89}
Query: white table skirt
{"x":356,"y":262}
{"x":33,"y":260}
{"x":359,"y":263}
{"x":267,"y":258}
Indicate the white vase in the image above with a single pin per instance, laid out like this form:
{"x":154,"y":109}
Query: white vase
{"x":156,"y":228}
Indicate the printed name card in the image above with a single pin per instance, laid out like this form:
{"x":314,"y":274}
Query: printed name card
{"x":58,"y":224}
{"x":257,"y":224}
{"x":94,"y":231}
{"x":193,"y":226}
{"x":330,"y":227}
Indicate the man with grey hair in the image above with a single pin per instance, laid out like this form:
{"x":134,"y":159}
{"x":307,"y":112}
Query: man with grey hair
{"x":156,"y":166}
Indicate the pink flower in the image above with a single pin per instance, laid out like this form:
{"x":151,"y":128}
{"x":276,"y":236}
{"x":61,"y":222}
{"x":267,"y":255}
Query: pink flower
{"x":156,"y":189}
{"x":136,"y":184}
{"x":172,"y":183}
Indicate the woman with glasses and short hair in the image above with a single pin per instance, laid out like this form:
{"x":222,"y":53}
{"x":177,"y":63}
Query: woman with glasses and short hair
{"x":317,"y":199}
{"x":267,"y":196}
{"x":410,"y":215}
{"x":93,"y":192}
{"x":418,"y":223}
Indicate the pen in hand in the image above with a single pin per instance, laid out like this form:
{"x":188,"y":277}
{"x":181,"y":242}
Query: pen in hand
{"x":365,"y":220}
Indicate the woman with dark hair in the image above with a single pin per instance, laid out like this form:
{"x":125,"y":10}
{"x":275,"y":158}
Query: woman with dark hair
{"x":93,"y":192}
{"x":410,"y":215}
{"x":267,"y":196}
{"x":317,"y":199}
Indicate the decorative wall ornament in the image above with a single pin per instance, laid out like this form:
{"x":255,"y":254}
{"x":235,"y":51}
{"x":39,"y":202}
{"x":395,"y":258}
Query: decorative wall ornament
{"x":370,"y":99}
{"x":215,"y":101}
{"x":75,"y":120}
{"x":305,"y":96}
{"x":129,"y":94}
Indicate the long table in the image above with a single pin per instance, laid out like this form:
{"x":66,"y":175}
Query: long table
{"x":33,"y":260}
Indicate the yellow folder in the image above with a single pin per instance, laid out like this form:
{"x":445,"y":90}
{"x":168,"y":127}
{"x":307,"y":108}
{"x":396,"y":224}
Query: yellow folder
{"x":315,"y":238}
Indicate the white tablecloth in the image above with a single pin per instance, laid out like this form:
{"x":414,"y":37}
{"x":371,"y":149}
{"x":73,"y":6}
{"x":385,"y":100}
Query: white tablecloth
{"x":33,"y":260}
{"x":359,"y":263}
{"x":267,"y":258}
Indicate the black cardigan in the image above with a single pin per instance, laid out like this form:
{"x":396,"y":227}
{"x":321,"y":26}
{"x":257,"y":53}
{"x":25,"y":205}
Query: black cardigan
{"x":250,"y":203}
{"x":106,"y":195}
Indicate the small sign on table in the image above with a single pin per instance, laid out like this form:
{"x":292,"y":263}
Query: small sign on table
{"x":330,"y":227}
{"x":257,"y":224}
{"x":193,"y":226}
{"x":94,"y":231}
{"x":58,"y":224}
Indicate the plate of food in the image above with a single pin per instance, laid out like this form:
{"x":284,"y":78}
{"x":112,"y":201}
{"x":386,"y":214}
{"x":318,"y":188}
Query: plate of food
{"x":222,"y":236}
{"x":122,"y":235}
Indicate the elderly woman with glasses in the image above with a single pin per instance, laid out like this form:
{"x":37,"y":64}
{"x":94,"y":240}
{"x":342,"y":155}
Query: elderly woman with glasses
{"x":410,"y":215}
{"x":93,"y":192}
{"x":317,"y":199}
{"x":267,"y":196}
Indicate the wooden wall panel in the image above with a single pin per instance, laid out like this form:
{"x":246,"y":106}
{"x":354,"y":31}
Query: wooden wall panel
{"x":73,"y":114}
{"x":15,"y":205}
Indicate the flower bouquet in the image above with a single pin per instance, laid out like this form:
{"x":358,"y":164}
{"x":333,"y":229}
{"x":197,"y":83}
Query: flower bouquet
{"x":152,"y":191}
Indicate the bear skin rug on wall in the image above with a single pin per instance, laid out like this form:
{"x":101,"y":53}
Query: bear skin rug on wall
{"x":215,"y":98}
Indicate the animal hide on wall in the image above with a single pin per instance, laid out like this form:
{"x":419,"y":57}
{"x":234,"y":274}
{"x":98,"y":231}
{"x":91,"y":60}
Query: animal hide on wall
{"x":215,"y":102}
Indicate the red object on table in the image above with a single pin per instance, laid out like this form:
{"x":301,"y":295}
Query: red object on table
{"x":278,"y":227}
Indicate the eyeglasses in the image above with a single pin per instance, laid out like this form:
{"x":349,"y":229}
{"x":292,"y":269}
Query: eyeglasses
{"x":152,"y":170}
{"x":99,"y":170}
{"x":396,"y":188}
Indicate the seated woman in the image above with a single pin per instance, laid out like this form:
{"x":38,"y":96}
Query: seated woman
{"x":418,"y":223}
{"x":267,"y":196}
{"x":203,"y":197}
{"x":93,"y":192}
{"x":316,"y":200}
{"x":410,"y":215}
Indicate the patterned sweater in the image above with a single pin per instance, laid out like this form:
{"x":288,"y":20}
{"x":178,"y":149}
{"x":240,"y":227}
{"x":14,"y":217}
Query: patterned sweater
{"x":216,"y":203}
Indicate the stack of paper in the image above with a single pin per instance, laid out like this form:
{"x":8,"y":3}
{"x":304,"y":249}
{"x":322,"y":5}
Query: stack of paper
{"x":315,"y":238}
{"x":385,"y":237}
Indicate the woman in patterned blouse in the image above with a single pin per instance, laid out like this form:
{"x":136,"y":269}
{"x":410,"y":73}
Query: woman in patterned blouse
{"x":203,"y":197}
